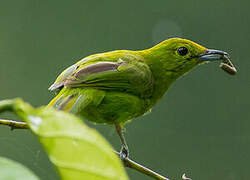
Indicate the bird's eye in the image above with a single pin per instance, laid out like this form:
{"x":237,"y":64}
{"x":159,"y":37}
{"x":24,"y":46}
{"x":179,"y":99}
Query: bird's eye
{"x":182,"y":51}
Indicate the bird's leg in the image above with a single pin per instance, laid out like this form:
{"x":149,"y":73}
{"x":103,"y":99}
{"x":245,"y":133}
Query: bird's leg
{"x":124,"y":153}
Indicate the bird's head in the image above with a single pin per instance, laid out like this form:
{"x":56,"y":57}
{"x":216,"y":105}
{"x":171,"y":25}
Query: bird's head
{"x":177,"y":56}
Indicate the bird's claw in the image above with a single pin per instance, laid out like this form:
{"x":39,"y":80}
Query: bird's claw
{"x":124,"y":153}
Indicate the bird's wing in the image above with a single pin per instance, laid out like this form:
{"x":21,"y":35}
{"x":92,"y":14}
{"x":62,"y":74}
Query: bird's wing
{"x":130,"y":76}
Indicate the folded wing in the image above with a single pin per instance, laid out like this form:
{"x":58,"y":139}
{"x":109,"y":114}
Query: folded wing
{"x":131,"y":76}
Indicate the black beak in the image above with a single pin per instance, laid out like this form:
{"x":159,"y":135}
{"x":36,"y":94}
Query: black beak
{"x":212,"y":55}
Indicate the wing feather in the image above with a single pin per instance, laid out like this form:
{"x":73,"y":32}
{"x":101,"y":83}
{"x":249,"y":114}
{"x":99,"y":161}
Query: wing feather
{"x":131,"y":76}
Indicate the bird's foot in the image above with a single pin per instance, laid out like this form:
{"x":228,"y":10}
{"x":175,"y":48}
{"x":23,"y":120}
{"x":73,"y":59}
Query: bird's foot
{"x":124,"y":153}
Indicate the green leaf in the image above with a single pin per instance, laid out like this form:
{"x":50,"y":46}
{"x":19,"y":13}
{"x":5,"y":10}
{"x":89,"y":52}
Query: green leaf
{"x":11,"y":170}
{"x":77,"y":151}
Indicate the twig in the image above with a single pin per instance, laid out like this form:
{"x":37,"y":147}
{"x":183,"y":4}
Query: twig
{"x":14,"y":124}
{"x":144,"y":170}
{"x":140,"y":168}
{"x":11,"y":105}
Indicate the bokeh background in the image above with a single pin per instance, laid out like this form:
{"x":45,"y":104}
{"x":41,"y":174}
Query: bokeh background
{"x":201,"y":127}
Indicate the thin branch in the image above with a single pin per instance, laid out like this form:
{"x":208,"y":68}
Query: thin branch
{"x":144,"y":170}
{"x":14,"y":124}
{"x":127,"y":162}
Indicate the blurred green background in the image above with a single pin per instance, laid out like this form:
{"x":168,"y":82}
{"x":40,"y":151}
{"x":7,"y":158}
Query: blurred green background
{"x":201,"y":127}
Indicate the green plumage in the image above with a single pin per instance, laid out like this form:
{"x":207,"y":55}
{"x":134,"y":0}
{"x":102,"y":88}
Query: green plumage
{"x":117,"y":86}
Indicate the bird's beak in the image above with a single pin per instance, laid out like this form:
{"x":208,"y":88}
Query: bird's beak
{"x":212,"y":55}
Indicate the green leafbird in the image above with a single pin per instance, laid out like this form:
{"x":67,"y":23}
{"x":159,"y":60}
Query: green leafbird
{"x":118,"y":86}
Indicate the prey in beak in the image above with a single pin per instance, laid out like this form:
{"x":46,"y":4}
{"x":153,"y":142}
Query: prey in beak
{"x":216,"y":55}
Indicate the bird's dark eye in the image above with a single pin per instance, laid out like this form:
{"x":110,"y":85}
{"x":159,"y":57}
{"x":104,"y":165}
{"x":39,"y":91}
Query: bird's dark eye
{"x":182,"y":51}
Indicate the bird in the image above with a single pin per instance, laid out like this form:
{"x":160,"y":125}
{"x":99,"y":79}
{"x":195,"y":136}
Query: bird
{"x":118,"y":86}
